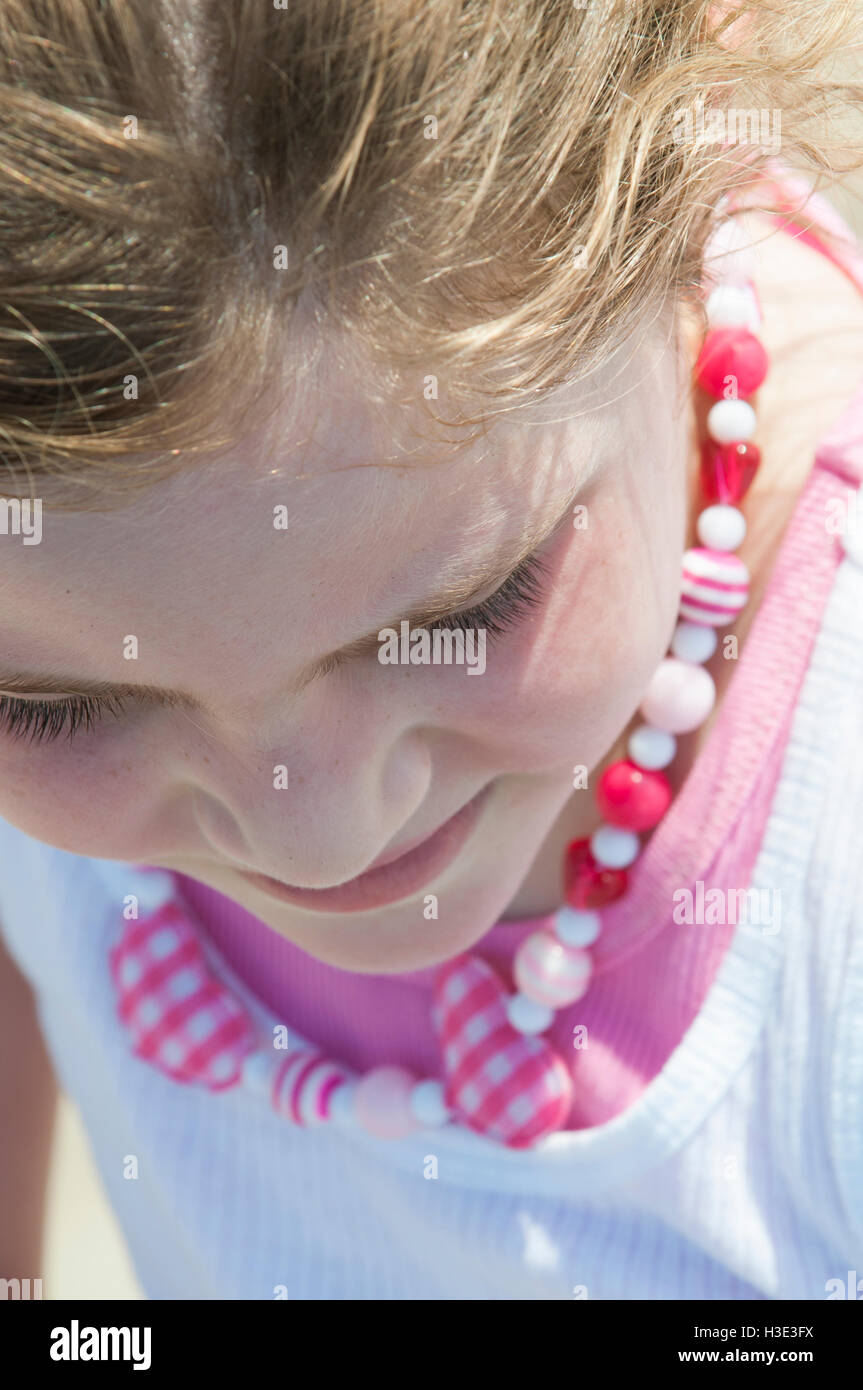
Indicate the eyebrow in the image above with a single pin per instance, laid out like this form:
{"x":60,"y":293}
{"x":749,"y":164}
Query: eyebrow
{"x":459,"y":595}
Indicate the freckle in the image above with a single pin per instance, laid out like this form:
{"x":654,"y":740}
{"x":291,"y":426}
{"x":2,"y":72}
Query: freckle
{"x":206,"y":760}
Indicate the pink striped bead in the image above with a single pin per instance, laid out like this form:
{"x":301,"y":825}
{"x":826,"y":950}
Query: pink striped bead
{"x":303,"y":1086}
{"x":549,"y":972}
{"x":714,"y":586}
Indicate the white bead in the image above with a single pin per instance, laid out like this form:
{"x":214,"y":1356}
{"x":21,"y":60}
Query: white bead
{"x":727,"y":238}
{"x":526,"y":1016}
{"x":428,"y":1105}
{"x":614,"y":848}
{"x":257,"y":1072}
{"x":695,"y":642}
{"x":652,"y":748}
{"x":721,"y":527}
{"x":731,"y":422}
{"x":728,"y":255}
{"x":733,"y":306}
{"x":342,"y":1104}
{"x":576,"y":926}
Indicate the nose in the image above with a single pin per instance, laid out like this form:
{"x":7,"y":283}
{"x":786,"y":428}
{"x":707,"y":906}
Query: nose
{"x":318,"y":805}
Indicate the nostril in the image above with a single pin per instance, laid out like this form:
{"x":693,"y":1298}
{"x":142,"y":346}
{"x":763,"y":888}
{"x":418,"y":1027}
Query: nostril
{"x":220,"y":827}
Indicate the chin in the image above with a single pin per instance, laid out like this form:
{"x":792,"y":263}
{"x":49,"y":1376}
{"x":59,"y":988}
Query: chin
{"x":405,"y":942}
{"x":402,"y":937}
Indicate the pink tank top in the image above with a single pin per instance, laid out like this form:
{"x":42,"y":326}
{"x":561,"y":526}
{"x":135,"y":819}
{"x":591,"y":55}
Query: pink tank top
{"x":652,"y":973}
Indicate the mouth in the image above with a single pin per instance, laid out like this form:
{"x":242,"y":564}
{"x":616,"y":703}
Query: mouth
{"x":395,"y":875}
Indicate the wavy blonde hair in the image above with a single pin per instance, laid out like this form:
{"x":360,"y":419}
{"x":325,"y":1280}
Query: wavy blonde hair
{"x":489,"y":190}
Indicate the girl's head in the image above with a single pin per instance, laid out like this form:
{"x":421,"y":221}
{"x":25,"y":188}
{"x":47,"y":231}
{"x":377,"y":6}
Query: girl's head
{"x":316,"y":318}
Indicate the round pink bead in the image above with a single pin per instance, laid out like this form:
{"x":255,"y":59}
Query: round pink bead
{"x":382,"y":1102}
{"x":679,"y":697}
{"x":632,"y":797}
{"x":549,"y":972}
{"x":731,"y":352}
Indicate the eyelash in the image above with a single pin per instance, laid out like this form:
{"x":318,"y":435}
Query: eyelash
{"x":506,"y":607}
{"x":44,"y":721}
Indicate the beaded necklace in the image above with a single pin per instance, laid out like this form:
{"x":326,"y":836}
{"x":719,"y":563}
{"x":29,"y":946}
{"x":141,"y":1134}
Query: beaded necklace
{"x":502,"y":1077}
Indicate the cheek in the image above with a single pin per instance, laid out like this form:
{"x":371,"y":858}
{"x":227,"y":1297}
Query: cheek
{"x":561,"y":686}
{"x":85,"y":797}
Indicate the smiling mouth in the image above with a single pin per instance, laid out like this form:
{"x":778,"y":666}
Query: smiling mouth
{"x":391,"y":878}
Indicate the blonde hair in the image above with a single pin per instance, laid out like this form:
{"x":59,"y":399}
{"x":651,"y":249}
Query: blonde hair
{"x":486,"y":190}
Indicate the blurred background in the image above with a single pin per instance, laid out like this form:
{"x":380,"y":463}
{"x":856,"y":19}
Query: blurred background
{"x":848,"y":198}
{"x":85,"y":1254}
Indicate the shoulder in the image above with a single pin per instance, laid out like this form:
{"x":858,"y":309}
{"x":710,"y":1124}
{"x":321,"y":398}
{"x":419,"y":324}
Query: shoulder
{"x":812,"y":328}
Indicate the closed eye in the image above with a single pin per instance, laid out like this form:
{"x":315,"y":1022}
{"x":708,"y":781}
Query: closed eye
{"x":508,"y":605}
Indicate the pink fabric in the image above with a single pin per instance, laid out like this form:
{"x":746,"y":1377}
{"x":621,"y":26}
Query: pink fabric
{"x":651,"y":973}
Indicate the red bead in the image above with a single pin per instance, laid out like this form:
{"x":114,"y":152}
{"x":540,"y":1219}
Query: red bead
{"x":633,"y":797}
{"x":731,"y":352}
{"x":588,"y":884}
{"x":727,"y":470}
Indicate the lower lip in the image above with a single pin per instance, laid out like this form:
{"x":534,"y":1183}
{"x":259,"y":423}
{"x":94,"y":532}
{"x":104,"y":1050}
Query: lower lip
{"x":391,"y":882}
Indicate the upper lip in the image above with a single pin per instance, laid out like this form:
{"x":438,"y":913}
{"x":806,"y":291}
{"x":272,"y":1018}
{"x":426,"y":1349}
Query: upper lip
{"x":387,"y":856}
